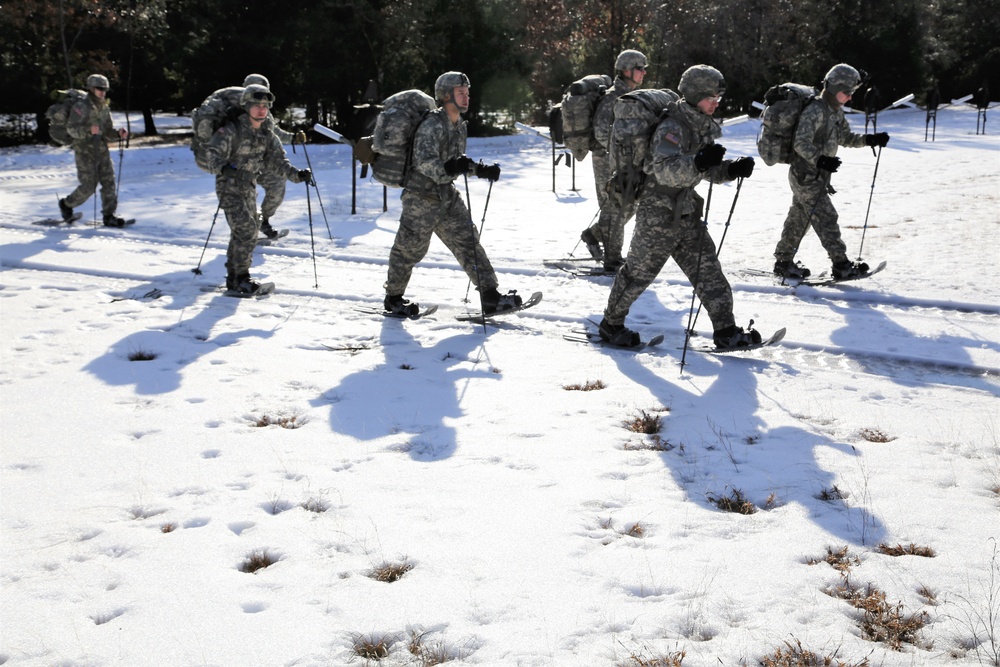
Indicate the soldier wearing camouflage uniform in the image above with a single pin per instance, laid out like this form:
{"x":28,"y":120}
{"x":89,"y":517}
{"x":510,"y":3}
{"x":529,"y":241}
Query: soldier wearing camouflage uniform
{"x":226,"y":102}
{"x":609,"y":230}
{"x":89,"y":124}
{"x":669,"y":221}
{"x":432,"y":204}
{"x":239,"y":153}
{"x":822,"y":128}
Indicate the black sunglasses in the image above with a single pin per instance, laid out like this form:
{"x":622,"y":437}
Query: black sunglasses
{"x":262,"y":96}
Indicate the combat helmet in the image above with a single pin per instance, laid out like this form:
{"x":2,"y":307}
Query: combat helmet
{"x":258,"y":79}
{"x":699,"y":82}
{"x":447,"y":82}
{"x":97,"y":81}
{"x":630,"y":59}
{"x":254,"y":94}
{"x":842,"y":78}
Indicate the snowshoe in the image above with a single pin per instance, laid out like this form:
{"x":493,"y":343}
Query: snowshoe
{"x":494,"y":302}
{"x":397,"y":305}
{"x":845,"y":269}
{"x":733,"y":337}
{"x":66,"y":211}
{"x":788,"y":269}
{"x":618,"y":335}
{"x":593,"y":245}
{"x":112,"y":220}
{"x":267,"y":230}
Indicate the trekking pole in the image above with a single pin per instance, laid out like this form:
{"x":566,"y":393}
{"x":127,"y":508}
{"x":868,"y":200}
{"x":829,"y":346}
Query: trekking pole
{"x":320,"y":199}
{"x":482,"y":224}
{"x":870,"y":194}
{"x":312,"y":240}
{"x":121,"y":154}
{"x":197,"y":270}
{"x":697,"y":274}
{"x":475,"y":252}
{"x":739,"y":184}
{"x":97,"y":165}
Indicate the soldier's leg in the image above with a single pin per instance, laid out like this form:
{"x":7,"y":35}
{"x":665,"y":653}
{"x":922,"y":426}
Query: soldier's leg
{"x":602,"y":170}
{"x":274,"y":193}
{"x":807,"y":198}
{"x":825,"y":223}
{"x":241,"y":214}
{"x":651,"y":246}
{"x":696,"y":255}
{"x":614,"y":238}
{"x":460,"y":235}
{"x":413,"y":238}
{"x":106,"y":176}
{"x":86,"y":173}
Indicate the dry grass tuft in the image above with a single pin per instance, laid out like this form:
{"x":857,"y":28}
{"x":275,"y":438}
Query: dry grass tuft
{"x":735,"y":502}
{"x":317,"y":505}
{"x":876,"y":435}
{"x":371,"y":647}
{"x":793,"y":655}
{"x":839,"y":560}
{"x":588,"y":386}
{"x":406,"y":367}
{"x":142,"y":355}
{"x":667,"y":660}
{"x":643,"y":423}
{"x":434,"y":654}
{"x":168,"y":527}
{"x":881,"y":621}
{"x":390,"y":572}
{"x":655,"y":443}
{"x":290,"y":422}
{"x":909,"y":550}
{"x":635,"y":530}
{"x":257,"y":560}
{"x":831,"y":494}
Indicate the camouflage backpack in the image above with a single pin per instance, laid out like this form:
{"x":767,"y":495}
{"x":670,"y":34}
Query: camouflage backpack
{"x":636,"y":115}
{"x":577,"y":112}
{"x":218,"y":108}
{"x":58,"y":114}
{"x":392,"y":140}
{"x":783,"y":106}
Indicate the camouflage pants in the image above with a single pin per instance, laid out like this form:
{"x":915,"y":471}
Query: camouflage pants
{"x":93,"y":166}
{"x":238,"y":198}
{"x":811,"y":206}
{"x":657,"y":238}
{"x":448,"y":218}
{"x":609,"y":229}
{"x":272,"y":183}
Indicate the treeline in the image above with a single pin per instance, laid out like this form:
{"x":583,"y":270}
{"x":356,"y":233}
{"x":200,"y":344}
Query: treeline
{"x":323,"y":55}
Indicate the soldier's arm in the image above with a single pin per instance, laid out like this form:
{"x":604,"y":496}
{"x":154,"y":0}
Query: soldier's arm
{"x":669,"y":164}
{"x":276,"y":160}
{"x":219,"y":149}
{"x":603,"y":116}
{"x":78,"y":121}
{"x":284,"y":136}
{"x":427,"y":150}
{"x":809,"y":121}
{"x":847,"y":138}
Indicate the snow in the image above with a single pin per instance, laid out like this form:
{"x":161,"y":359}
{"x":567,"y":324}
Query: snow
{"x":537,"y":528}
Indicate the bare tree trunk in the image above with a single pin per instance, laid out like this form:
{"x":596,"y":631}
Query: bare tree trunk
{"x":65,"y":47}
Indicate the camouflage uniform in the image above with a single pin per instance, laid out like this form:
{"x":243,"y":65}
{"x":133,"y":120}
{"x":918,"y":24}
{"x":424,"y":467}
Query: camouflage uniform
{"x":93,"y":159}
{"x":669,"y":219}
{"x":433,"y":205}
{"x":822,"y":128}
{"x":609,"y":230}
{"x":226,"y":102}
{"x":252,"y":153}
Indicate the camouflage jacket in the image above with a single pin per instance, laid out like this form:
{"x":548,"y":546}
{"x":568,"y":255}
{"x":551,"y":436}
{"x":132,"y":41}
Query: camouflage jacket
{"x":822,"y":128}
{"x":252,"y":152}
{"x":86,"y":113}
{"x":435,"y":141}
{"x":604,"y":113}
{"x":676,"y":140}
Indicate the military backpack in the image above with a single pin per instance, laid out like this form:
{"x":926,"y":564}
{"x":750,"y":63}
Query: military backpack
{"x":219,"y":108}
{"x":58,"y":115}
{"x":390,"y":148}
{"x":577,"y":112}
{"x":783,"y":106}
{"x":636,"y":115}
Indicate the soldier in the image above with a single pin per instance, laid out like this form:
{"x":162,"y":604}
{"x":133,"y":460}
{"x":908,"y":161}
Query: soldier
{"x":822,"y":128}
{"x":225,"y":105}
{"x":239,"y":153}
{"x":433,"y":205}
{"x":669,"y":221}
{"x":609,"y":230}
{"x":89,"y":124}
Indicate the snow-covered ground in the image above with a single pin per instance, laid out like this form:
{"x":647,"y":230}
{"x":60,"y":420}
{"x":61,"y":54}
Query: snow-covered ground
{"x":530,"y":525}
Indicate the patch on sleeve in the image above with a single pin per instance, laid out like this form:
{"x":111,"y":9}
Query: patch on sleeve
{"x":672,"y":138}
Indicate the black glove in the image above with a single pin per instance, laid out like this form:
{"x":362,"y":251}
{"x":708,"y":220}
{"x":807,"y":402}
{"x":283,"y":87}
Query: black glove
{"x":709,"y":156}
{"x":306,"y":176}
{"x":491,"y":173}
{"x":459,"y":165}
{"x":229,"y":171}
{"x":879,"y":139}
{"x":741,"y":167}
{"x":827,"y":163}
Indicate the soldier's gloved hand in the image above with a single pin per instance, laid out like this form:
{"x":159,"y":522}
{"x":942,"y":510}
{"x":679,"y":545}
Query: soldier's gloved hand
{"x":299,"y":138}
{"x":229,"y":172}
{"x":827,"y":163}
{"x":709,"y":156}
{"x":306,"y":176}
{"x":459,"y":165}
{"x":741,"y":167}
{"x":879,"y":139}
{"x":491,"y":172}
